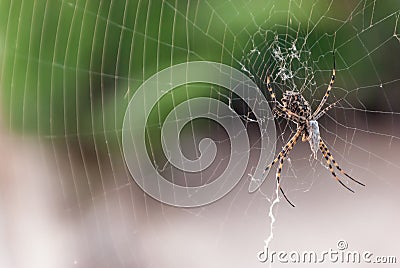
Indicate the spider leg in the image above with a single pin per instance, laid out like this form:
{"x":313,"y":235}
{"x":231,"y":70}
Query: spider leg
{"x":328,"y":91}
{"x":281,"y":158}
{"x":318,"y":116}
{"x":328,"y":153}
{"x":328,"y":160}
{"x":278,"y":177}
{"x":288,"y":115}
{"x":277,"y":105}
{"x":280,"y":113}
{"x":285,"y":150}
{"x":271,"y":91}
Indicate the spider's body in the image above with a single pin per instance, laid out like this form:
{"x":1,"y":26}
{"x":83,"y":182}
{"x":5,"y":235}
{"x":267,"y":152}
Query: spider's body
{"x":296,"y":103}
{"x":295,"y":108}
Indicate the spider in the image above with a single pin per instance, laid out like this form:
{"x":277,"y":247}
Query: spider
{"x":295,"y":108}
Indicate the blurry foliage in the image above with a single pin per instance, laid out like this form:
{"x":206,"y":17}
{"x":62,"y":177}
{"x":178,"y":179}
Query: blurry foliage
{"x":70,"y":67}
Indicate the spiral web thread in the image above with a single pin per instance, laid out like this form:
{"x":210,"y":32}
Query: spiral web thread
{"x":292,"y":42}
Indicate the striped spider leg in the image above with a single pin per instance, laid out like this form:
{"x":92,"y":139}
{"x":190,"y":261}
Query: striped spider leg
{"x":328,"y":91}
{"x":329,"y":159}
{"x":281,"y":158}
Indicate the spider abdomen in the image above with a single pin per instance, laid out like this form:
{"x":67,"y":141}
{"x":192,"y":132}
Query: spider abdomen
{"x":296,"y":103}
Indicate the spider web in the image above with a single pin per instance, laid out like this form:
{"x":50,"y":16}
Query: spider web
{"x":69,"y":69}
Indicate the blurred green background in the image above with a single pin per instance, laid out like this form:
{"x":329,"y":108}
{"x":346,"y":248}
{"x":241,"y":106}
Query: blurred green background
{"x":70,"y":67}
